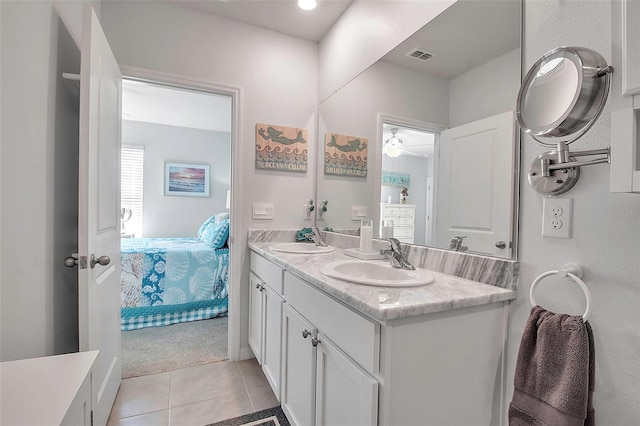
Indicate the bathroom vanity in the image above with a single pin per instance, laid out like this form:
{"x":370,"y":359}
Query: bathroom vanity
{"x":336,"y":352}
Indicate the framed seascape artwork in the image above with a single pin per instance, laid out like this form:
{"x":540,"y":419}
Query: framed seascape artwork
{"x":190,"y":180}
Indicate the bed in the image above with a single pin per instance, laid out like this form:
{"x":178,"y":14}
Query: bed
{"x":171,"y":280}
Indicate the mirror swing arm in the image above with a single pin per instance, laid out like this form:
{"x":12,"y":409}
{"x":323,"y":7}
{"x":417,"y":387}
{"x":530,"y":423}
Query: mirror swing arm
{"x":577,"y":81}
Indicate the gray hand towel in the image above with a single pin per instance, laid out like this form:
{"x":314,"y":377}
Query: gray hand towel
{"x":555,"y":369}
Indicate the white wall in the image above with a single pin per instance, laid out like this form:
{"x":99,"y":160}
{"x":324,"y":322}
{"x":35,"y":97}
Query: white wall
{"x":366,"y":32}
{"x":353,"y":111}
{"x":278,"y":75}
{"x":38,"y":316}
{"x":174,"y":216}
{"x":485,"y":91}
{"x":606,"y":230}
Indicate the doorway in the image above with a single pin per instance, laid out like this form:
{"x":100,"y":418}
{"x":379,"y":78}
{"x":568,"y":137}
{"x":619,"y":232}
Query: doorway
{"x":409,"y":164}
{"x":176,"y":213}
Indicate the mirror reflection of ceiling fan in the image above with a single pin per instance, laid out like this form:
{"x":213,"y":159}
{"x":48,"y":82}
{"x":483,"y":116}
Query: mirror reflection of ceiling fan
{"x":407,"y":141}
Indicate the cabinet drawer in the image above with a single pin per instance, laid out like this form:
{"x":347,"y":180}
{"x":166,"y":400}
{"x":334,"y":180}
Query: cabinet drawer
{"x":403,"y":232}
{"x":405,"y":211}
{"x":391,"y":211}
{"x":354,"y":334}
{"x":403,"y":221}
{"x":268,"y":272}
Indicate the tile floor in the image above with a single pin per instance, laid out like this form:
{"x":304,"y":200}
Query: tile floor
{"x":193,"y":396}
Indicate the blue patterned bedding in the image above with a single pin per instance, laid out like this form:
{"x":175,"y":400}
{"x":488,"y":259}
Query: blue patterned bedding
{"x":170,"y":280}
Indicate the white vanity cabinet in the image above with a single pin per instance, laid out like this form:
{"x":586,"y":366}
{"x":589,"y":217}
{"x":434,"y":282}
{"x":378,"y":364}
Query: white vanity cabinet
{"x":298,"y":368}
{"x":265,"y":322}
{"x":321,"y":383}
{"x":342,"y":367}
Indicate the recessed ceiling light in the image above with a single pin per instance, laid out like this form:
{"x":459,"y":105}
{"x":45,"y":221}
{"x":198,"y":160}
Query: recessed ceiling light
{"x":307,"y":4}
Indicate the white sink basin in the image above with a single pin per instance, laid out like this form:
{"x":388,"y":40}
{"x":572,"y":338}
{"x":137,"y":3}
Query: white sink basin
{"x":376,"y":273}
{"x":300,"y":248}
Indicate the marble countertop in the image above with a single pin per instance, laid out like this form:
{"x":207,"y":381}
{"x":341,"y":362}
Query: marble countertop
{"x":447,"y":292}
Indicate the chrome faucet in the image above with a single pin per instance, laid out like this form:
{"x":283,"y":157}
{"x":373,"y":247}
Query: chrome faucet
{"x":456,"y":244}
{"x":397,"y":255}
{"x":315,"y":236}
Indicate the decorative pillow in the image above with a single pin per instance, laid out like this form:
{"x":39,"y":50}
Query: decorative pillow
{"x":222,"y":216}
{"x":204,"y":225}
{"x":215,"y":234}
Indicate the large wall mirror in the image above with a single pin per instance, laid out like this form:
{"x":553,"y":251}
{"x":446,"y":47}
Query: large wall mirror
{"x":435,"y":119}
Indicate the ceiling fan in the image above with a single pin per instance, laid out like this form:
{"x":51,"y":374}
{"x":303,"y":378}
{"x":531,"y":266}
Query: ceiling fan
{"x":394,"y":146}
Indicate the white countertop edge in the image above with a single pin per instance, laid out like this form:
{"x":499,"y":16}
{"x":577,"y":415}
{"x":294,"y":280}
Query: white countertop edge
{"x":471,"y":293}
{"x":40,"y":390}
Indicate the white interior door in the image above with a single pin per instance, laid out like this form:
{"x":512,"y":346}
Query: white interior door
{"x":98,"y":213}
{"x":476,"y":169}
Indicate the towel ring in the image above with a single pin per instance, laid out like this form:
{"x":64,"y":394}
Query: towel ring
{"x":572,"y":271}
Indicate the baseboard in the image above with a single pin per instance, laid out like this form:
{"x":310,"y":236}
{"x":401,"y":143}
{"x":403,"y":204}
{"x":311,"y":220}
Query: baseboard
{"x":246,"y":353}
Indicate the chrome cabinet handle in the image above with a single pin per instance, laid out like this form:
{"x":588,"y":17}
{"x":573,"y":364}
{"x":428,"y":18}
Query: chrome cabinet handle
{"x":501,"y":244}
{"x":315,"y":341}
{"x":305,"y":334}
{"x":102,"y":260}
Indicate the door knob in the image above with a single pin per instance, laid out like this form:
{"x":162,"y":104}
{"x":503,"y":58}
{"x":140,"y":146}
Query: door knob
{"x":305,"y":333}
{"x":501,"y":244}
{"x":70,"y":262}
{"x":102,"y":260}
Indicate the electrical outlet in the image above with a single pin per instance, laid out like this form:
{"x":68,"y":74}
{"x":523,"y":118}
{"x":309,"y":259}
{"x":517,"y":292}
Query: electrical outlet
{"x":556,"y":211}
{"x":556,"y":217}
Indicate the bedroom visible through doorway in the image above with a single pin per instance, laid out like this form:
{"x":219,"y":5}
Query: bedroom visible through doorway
{"x":175,"y":193}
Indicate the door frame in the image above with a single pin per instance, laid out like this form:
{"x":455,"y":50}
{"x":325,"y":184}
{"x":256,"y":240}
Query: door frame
{"x":395,"y":120}
{"x":235,"y":265}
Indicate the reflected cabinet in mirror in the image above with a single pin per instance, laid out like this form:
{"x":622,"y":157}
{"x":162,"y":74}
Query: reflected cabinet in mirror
{"x":424,"y":141}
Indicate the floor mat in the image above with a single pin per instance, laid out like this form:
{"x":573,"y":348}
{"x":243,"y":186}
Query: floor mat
{"x":269,"y":417}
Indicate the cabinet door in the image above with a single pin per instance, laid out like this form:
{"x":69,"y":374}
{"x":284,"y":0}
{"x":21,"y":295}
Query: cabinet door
{"x":345,"y":393}
{"x":298,"y":368}
{"x":255,"y":315}
{"x":272,"y":338}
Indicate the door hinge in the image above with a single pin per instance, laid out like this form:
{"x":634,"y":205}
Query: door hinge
{"x":82,"y":262}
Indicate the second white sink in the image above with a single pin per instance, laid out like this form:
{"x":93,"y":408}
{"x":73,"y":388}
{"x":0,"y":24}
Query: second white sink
{"x":301,"y":248}
{"x":376,"y":274}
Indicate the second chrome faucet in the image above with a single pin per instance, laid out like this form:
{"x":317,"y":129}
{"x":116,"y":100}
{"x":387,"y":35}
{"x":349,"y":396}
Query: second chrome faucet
{"x":397,"y":256}
{"x":315,"y":236}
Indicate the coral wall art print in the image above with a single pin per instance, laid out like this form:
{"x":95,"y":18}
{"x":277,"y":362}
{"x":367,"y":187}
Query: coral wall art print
{"x":281,"y":148}
{"x":345,"y":155}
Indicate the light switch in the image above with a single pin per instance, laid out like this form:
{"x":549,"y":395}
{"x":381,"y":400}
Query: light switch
{"x":358,"y":212}
{"x":263,"y":211}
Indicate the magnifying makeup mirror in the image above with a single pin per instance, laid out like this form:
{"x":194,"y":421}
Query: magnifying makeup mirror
{"x":561,"y":97}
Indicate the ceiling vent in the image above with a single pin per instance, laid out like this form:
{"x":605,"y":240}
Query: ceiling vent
{"x":420,"y":54}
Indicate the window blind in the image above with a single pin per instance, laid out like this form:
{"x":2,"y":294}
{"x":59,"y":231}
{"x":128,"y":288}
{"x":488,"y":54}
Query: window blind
{"x":132,"y":166}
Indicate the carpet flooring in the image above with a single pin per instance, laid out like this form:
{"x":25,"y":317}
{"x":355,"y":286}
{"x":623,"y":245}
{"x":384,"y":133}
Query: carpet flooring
{"x":269,"y":417}
{"x":157,"y":349}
